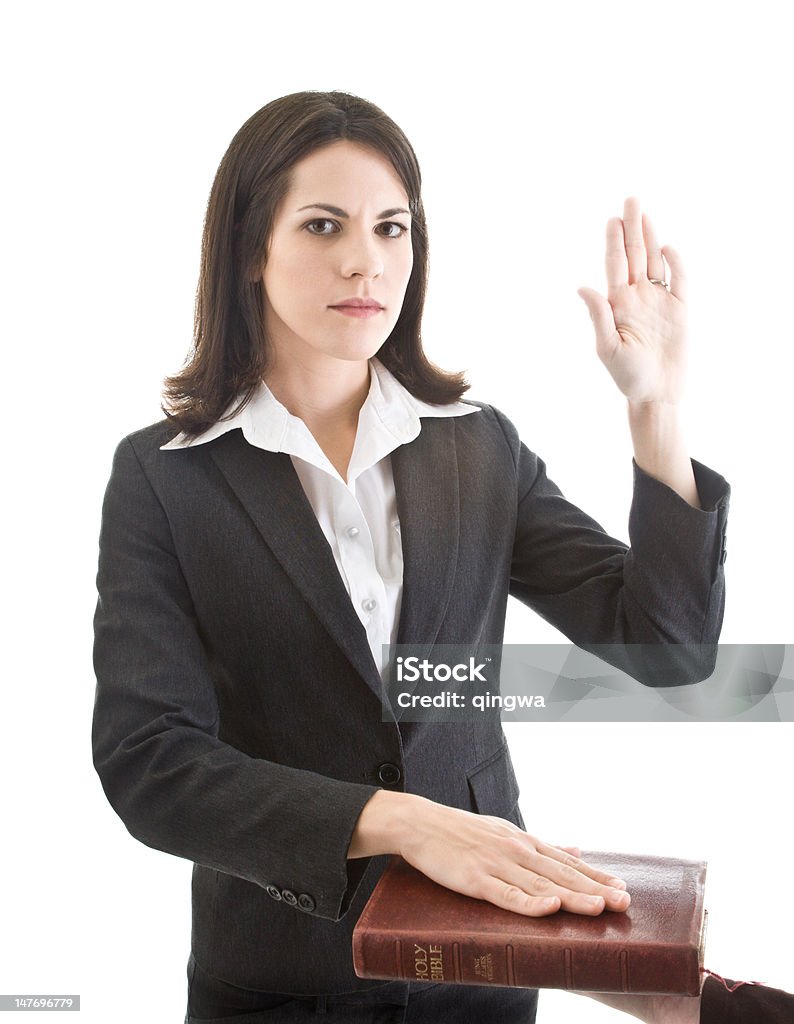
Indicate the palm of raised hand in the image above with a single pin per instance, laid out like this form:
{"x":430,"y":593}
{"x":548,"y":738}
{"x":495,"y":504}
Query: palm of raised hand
{"x":640,"y":326}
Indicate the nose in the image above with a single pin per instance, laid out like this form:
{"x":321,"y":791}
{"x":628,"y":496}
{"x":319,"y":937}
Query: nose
{"x":361,"y":257}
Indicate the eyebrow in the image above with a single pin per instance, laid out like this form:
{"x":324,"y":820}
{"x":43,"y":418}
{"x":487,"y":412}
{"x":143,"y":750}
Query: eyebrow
{"x":341,"y":213}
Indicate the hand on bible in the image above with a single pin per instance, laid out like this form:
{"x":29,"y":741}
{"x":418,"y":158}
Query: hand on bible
{"x":492,"y":859}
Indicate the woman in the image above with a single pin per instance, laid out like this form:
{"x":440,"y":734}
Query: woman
{"x":318,"y":489}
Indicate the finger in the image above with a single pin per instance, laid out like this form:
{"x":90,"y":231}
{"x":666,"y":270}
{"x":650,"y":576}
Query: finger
{"x":617,"y":266}
{"x":537,"y":897}
{"x":613,"y":883}
{"x":513,"y":897}
{"x":678,"y":281}
{"x":539,"y":885}
{"x":560,"y":879}
{"x":603,"y":320}
{"x":655,"y":261}
{"x":603,"y":877}
{"x":635,"y":243}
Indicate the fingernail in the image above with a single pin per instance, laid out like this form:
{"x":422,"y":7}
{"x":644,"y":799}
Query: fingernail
{"x":596,"y":900}
{"x":618,"y":896}
{"x":617,"y":883}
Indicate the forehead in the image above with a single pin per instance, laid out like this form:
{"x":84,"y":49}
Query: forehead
{"x":345,"y":169}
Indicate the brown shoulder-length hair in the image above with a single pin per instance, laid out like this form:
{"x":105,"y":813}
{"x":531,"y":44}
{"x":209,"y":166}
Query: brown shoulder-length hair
{"x":229,"y":355}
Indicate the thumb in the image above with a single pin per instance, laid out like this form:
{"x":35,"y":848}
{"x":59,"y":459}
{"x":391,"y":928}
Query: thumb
{"x":600,"y":311}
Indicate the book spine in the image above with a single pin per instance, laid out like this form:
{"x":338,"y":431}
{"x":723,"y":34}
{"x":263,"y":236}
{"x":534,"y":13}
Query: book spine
{"x":605,"y":968}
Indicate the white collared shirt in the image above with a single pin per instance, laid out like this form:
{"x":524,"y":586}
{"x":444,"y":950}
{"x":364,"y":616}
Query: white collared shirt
{"x":358,"y":517}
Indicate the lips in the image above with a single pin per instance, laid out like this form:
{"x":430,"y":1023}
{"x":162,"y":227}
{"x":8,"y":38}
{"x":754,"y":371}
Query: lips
{"x":357,"y":303}
{"x":358,"y":307}
{"x":360,"y":312}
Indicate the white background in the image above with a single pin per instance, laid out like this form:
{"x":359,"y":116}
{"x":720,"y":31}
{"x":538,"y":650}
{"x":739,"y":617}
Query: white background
{"x":532,"y":123}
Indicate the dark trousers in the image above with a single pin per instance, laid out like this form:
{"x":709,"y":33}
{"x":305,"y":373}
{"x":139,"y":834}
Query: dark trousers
{"x":211,"y":1001}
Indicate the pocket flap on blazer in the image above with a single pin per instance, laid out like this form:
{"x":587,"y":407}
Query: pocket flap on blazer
{"x":493,"y":785}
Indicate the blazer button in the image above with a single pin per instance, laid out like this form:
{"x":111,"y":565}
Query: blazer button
{"x":289,"y":897}
{"x":305,"y":902}
{"x":389,"y":774}
{"x":274,"y":892}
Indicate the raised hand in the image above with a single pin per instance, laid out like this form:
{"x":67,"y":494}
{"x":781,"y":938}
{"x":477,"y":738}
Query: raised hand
{"x":640,"y":326}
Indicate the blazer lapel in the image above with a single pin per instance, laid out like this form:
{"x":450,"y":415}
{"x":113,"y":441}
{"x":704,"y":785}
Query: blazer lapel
{"x":271,"y":493}
{"x":426,"y":483}
{"x":428,"y":504}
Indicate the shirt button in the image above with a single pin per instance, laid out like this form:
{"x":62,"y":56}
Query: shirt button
{"x":306,"y":902}
{"x":274,"y":892}
{"x":289,"y":897}
{"x":352,"y":531}
{"x":369,"y":604}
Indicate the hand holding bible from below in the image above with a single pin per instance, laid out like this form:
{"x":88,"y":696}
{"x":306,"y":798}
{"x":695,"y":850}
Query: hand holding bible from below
{"x":653,"y":1009}
{"x":484,"y":857}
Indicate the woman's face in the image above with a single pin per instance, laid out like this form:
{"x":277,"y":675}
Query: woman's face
{"x":342,"y":232}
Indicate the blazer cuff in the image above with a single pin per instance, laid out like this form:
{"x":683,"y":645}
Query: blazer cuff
{"x":713,"y":490}
{"x":335,"y":880}
{"x":697,"y":533}
{"x":748,"y":1002}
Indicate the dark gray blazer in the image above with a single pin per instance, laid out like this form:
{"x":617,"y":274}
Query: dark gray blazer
{"x":238,"y":716}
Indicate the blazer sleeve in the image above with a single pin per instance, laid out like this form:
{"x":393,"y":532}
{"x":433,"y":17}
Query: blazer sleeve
{"x":749,"y":1002}
{"x":175,"y":785}
{"x":654,"y":608}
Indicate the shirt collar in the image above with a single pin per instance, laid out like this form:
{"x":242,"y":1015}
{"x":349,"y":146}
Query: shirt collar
{"x":389,"y":417}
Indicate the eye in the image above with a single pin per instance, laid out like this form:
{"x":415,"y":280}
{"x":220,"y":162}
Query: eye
{"x":393,"y":224}
{"x":321,"y":220}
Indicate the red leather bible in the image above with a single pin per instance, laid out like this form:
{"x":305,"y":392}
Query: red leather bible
{"x":413,"y":929}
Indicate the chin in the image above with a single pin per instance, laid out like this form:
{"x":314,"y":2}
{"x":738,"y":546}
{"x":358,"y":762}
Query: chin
{"x":360,"y":356}
{"x":354,"y":349}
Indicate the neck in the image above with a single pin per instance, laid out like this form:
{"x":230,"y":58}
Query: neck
{"x":328,"y":395}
